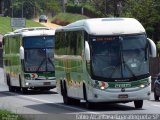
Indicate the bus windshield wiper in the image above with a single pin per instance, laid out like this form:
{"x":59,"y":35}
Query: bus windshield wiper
{"x":115,"y":69}
{"x":123,"y":61}
{"x":125,"y":65}
{"x":49,"y":59}
{"x":41,"y":64}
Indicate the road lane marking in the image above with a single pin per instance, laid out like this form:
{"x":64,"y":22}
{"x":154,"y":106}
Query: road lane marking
{"x":156,"y":105}
{"x":61,"y":105}
{"x":45,"y":101}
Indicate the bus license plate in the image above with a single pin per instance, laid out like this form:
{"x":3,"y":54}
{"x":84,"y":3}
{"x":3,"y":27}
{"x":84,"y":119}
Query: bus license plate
{"x":46,"y":83}
{"x":123,"y":96}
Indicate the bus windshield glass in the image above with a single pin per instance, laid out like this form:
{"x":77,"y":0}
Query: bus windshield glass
{"x":119,"y":57}
{"x":39,"y":54}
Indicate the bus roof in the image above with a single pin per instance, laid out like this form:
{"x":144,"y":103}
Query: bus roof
{"x":33,"y":31}
{"x":106,"y":26}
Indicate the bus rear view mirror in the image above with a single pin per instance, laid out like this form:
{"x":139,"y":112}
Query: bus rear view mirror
{"x":0,"y":44}
{"x":21,"y":53}
{"x":87,"y":51}
{"x":152,"y":48}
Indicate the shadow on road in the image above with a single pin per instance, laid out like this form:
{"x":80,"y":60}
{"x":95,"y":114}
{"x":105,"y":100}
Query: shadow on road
{"x":108,"y":107}
{"x":36,"y":92}
{"x":62,"y":108}
{"x":7,"y":94}
{"x":52,"y":108}
{"x":30,"y":92}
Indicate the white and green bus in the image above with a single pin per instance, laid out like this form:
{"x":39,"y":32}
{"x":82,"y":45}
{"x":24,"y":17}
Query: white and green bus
{"x":28,"y":55}
{"x":103,"y":60}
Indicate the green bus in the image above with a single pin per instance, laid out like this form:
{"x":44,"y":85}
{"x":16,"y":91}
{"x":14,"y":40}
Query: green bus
{"x":28,"y":58}
{"x":103,"y":60}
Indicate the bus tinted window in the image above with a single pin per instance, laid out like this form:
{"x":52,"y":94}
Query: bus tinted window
{"x":39,"y":42}
{"x":69,"y":43}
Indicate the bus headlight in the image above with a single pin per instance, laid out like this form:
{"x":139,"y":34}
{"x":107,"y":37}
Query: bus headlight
{"x":142,"y":86}
{"x":102,"y":87}
{"x":27,"y":84}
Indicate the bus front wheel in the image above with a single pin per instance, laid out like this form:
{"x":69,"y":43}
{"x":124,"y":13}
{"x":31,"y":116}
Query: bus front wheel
{"x":155,"y":96}
{"x":24,"y":90}
{"x":10,"y":87}
{"x":88,"y":105}
{"x":67,"y":100}
{"x":138,"y":104}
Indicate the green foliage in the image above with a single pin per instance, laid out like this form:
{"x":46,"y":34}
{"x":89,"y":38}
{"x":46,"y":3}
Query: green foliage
{"x":147,"y":12}
{"x":68,"y":18}
{"x":158,"y":45}
{"x":31,"y":8}
{"x":5,"y":24}
{"x":71,"y":8}
{"x":91,"y":11}
{"x":52,"y":6}
{"x":88,"y":10}
{"x":6,"y":115}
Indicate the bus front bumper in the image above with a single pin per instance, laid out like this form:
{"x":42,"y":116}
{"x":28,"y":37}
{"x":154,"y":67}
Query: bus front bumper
{"x":116,"y":95}
{"x":40,"y":83}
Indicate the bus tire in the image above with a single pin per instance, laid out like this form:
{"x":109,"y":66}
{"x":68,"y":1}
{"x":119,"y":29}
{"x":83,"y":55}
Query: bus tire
{"x":88,"y":105}
{"x":22,"y":89}
{"x":62,"y":88}
{"x":10,"y":87}
{"x":74,"y":101}
{"x":44,"y":89}
{"x":67,"y":100}
{"x":155,"y":96}
{"x":138,"y":104}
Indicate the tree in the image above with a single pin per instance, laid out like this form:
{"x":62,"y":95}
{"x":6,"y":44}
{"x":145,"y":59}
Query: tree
{"x":147,"y":12}
{"x":31,"y":8}
{"x":53,"y":7}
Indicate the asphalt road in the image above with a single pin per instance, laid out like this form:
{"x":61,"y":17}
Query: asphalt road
{"x":49,"y":106}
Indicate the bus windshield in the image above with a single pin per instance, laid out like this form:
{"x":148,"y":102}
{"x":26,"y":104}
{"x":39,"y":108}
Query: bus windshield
{"x":119,"y":57}
{"x":39,"y":54}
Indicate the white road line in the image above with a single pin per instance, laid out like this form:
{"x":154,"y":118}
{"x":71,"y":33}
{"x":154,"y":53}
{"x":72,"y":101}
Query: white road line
{"x":61,"y":105}
{"x":156,"y":105}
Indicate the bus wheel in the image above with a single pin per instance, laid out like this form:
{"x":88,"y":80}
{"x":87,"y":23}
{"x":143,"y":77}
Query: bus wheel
{"x":62,"y":88}
{"x":24,"y":90}
{"x":138,"y":104}
{"x":75,"y":101}
{"x":67,"y":100}
{"x":44,"y":89}
{"x":88,"y":105}
{"x":11,"y":88}
{"x":155,"y":96}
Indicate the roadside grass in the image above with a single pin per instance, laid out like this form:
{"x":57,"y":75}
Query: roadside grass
{"x":66,"y":18}
{"x":6,"y":115}
{"x":5,"y":24}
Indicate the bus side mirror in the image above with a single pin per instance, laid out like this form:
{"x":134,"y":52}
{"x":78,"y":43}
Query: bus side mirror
{"x":3,"y":42}
{"x":87,"y":51}
{"x":0,"y":44}
{"x":152,"y":48}
{"x":21,"y":53}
